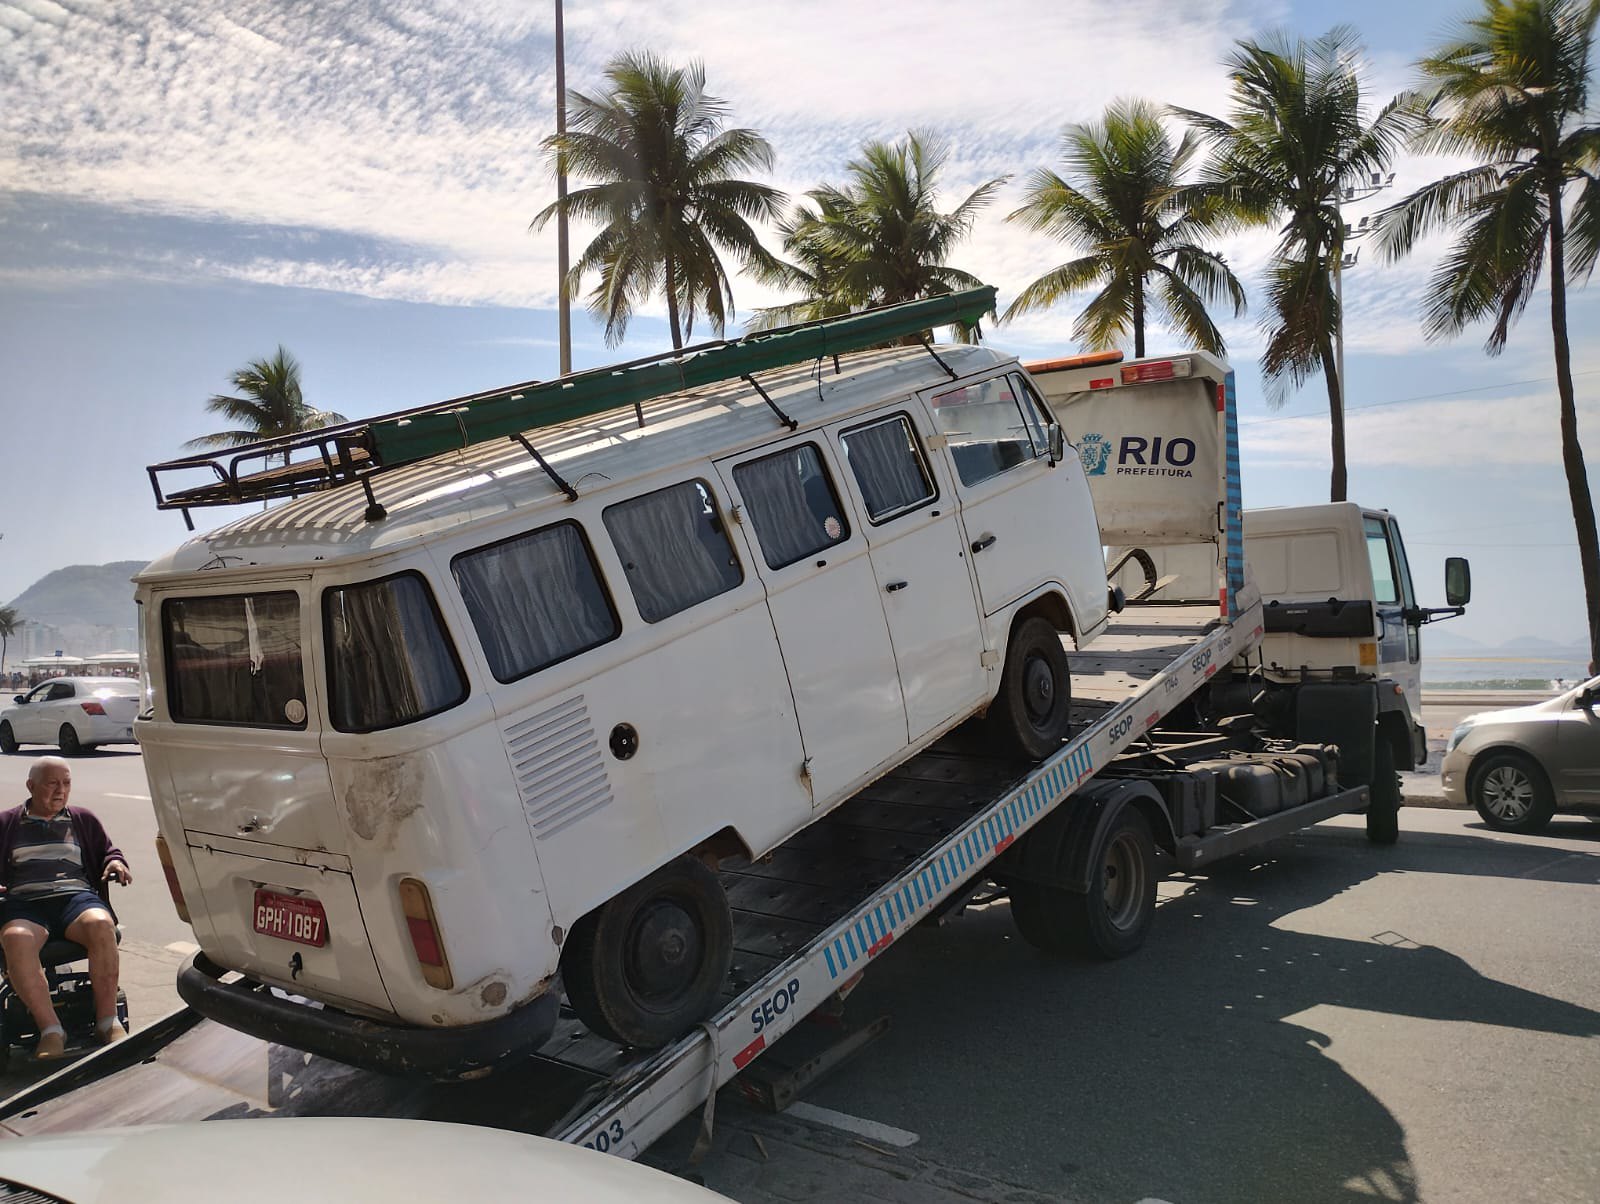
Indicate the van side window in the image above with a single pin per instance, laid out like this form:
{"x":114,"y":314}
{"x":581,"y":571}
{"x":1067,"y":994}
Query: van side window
{"x":535,"y":599}
{"x":888,"y":467}
{"x":986,"y":429}
{"x":389,"y":660}
{"x":674,"y":549}
{"x":235,"y":659}
{"x":793,"y":505}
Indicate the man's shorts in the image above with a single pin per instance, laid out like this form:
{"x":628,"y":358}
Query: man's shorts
{"x":54,"y":913}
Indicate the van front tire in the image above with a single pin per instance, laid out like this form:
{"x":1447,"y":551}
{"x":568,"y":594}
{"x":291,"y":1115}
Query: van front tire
{"x":1032,"y":713}
{"x":646,"y":967}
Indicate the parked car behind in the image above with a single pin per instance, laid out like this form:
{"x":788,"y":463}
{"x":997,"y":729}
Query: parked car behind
{"x":73,"y":713}
{"x":1520,"y":766}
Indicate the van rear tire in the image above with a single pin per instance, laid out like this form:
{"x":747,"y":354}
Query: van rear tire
{"x":1032,"y":713}
{"x":647,"y":966}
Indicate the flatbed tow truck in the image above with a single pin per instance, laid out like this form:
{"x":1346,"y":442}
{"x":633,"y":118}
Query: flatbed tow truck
{"x":1083,"y":835}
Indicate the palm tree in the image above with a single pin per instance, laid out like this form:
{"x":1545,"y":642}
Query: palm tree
{"x":271,"y":406}
{"x":666,"y":201}
{"x":10,"y":624}
{"x":1297,"y":142}
{"x":1123,"y":204}
{"x":1511,"y":88}
{"x":877,"y":240}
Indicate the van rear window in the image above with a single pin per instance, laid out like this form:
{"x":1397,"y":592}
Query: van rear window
{"x":389,"y":660}
{"x":235,"y":659}
{"x":535,"y":599}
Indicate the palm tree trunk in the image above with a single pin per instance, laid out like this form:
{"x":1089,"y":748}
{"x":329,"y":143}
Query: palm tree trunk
{"x":672,"y":304}
{"x":1138,"y":319}
{"x":1338,"y":486}
{"x":1571,"y":449}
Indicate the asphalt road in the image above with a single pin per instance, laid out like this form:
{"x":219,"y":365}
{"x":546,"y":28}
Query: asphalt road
{"x":1320,"y":1021}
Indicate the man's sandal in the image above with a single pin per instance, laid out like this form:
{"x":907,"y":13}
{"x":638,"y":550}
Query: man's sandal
{"x":52,"y":1047}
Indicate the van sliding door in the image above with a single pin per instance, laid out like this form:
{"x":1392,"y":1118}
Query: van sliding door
{"x":824,"y":599}
{"x":920,"y":565}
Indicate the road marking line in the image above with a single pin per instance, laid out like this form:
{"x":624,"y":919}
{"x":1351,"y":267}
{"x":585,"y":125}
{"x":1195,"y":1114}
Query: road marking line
{"x":184,"y":947}
{"x":887,"y":1134}
{"x":142,"y":798}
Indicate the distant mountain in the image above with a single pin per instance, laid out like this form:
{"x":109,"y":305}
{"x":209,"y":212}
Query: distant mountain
{"x":1448,"y":641}
{"x":1533,"y":643}
{"x":82,"y":595}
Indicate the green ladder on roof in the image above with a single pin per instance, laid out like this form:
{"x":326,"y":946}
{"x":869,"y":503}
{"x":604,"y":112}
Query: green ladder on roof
{"x":357,"y":450}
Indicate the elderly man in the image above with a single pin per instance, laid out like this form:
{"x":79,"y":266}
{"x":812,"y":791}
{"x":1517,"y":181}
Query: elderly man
{"x":54,"y":861}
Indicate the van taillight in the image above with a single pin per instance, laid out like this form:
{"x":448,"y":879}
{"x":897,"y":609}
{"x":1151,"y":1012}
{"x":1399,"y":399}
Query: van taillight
{"x":164,"y":855}
{"x":417,"y":908}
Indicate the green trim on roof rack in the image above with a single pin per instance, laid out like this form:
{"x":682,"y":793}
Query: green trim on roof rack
{"x":403,"y":440}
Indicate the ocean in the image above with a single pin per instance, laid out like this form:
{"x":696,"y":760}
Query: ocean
{"x":1507,"y":670}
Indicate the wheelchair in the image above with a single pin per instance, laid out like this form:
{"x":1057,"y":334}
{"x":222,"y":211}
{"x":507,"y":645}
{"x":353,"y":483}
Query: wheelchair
{"x":70,"y":993}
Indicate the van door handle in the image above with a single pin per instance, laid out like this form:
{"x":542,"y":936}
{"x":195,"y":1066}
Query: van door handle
{"x":895,"y":585}
{"x":979,"y":545}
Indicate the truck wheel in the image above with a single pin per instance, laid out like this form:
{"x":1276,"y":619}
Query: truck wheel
{"x":1511,"y":794}
{"x":1383,"y":811}
{"x":1114,"y":917}
{"x":648,"y":966}
{"x":1032,"y":712}
{"x":8,"y":739}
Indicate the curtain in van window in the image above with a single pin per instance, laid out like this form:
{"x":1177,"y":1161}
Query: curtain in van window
{"x":793,"y":506}
{"x":389,"y":660}
{"x":887,"y":467}
{"x":673,"y":548}
{"x":535,"y":600}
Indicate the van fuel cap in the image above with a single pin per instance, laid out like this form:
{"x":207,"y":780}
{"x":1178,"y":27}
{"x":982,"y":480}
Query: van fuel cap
{"x":624,"y":741}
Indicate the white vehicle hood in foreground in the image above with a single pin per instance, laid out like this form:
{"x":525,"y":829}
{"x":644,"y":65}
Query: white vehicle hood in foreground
{"x":311,"y":1159}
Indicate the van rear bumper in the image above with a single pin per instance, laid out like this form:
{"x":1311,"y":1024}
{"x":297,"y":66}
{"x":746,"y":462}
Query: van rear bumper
{"x":461,"y":1051}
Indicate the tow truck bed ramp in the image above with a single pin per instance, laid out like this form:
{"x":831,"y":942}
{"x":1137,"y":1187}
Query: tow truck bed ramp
{"x":808,"y":920}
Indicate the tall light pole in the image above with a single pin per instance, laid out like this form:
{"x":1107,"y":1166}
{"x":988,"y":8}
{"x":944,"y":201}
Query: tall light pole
{"x":1355,"y":192}
{"x":564,"y":306}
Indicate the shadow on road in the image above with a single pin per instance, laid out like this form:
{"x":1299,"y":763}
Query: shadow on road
{"x":1176,"y":1073}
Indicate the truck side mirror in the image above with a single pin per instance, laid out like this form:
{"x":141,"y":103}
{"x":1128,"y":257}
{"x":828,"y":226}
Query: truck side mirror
{"x":1056,"y":441}
{"x":1457,"y":581}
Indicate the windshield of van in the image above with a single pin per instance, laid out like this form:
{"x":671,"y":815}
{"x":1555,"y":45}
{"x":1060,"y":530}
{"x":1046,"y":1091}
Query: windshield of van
{"x":235,"y":659}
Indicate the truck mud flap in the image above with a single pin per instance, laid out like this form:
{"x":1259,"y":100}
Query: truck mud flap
{"x":1342,"y":713}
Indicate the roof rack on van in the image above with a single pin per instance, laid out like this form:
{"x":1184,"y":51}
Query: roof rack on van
{"x":356,"y":451}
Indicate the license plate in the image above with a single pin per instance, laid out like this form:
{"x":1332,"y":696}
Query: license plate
{"x":291,"y":918}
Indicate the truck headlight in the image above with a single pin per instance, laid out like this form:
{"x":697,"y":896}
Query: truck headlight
{"x":1457,"y":736}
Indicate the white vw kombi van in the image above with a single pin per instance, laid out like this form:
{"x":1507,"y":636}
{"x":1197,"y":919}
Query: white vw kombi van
{"x":431,"y":764}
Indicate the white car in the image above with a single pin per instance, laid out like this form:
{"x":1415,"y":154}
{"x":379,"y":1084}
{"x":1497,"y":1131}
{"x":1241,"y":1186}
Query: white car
{"x":73,"y":713}
{"x":313,"y":1159}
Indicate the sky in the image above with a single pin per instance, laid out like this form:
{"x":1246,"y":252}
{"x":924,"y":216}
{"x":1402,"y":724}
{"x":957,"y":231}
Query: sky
{"x":186,"y":184}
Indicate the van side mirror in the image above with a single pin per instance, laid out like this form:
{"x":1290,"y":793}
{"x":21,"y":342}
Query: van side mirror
{"x":1056,"y":441}
{"x":1457,"y":581}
